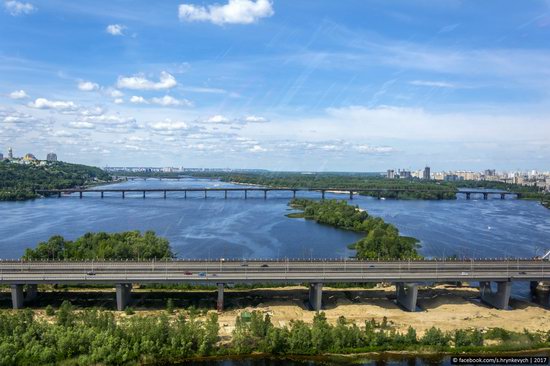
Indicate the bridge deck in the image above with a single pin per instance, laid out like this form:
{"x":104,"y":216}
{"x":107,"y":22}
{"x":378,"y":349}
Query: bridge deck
{"x":109,"y":272}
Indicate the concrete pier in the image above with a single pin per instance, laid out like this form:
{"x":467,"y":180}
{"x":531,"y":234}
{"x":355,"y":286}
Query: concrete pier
{"x":407,"y":294}
{"x":219,"y":304}
{"x":316,"y":296}
{"x":123,"y":295}
{"x":499,"y":298}
{"x":17,"y":296}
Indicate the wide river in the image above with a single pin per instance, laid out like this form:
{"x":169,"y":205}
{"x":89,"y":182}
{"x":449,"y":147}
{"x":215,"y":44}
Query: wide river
{"x":258,"y":228}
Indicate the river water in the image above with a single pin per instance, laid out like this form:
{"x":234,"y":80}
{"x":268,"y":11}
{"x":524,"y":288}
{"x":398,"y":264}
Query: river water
{"x":258,"y":228}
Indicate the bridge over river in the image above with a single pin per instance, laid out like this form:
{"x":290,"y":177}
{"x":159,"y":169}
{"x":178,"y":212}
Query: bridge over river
{"x":24,"y":276}
{"x":375,"y":192}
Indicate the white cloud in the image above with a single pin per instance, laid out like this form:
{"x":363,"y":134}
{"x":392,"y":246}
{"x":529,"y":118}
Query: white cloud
{"x":140,"y":82}
{"x":115,"y":29}
{"x":118,"y":101}
{"x":234,"y":12}
{"x":433,"y":84}
{"x":18,"y":8}
{"x":169,"y":125}
{"x":254,"y":119}
{"x":168,"y":101}
{"x":257,"y":149}
{"x":138,"y":100}
{"x":114,"y":93}
{"x":81,"y":125}
{"x":63,"y":106}
{"x":368,"y":149}
{"x":18,"y":94}
{"x":63,"y":133}
{"x":218,"y":118}
{"x":87,"y":86}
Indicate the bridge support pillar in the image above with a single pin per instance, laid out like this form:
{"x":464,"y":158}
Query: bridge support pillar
{"x":32,"y":292}
{"x":17,"y":296}
{"x":219,"y":304}
{"x":502,"y":196}
{"x":293,"y":193}
{"x":80,"y":194}
{"x":225,"y":194}
{"x":164,"y":194}
{"x":498,"y":299}
{"x":316,"y":296}
{"x":205,"y":194}
{"x":123,"y":195}
{"x":350,"y":195}
{"x":102,"y":194}
{"x":265,"y":194}
{"x":322,"y":194}
{"x":185,"y":194}
{"x":123,"y":295}
{"x":245,"y":194}
{"x":485,"y":196}
{"x":143,"y":194}
{"x":58,"y":194}
{"x":468,"y":196}
{"x":407,"y":294}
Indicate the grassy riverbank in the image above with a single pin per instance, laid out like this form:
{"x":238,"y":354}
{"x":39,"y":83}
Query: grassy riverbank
{"x":382,"y":240}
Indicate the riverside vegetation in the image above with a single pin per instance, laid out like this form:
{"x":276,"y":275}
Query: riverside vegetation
{"x":382,"y":240}
{"x":93,"y":336}
{"x":125,"y":245}
{"x":19,"y":181}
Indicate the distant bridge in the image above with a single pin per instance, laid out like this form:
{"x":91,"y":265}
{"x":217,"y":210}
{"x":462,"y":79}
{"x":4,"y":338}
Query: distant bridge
{"x":375,"y":192}
{"x":406,"y":275}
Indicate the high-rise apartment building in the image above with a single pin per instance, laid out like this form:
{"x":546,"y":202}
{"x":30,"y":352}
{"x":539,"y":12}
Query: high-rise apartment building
{"x":426,"y":175}
{"x":51,"y":157}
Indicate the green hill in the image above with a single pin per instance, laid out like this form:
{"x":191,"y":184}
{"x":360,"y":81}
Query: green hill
{"x":19,"y":181}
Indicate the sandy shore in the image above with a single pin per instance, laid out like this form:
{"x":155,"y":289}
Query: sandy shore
{"x":445,"y":307}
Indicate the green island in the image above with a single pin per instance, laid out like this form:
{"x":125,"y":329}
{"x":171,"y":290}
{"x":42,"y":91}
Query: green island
{"x":19,"y":181}
{"x":382,"y":240}
{"x":103,"y":246}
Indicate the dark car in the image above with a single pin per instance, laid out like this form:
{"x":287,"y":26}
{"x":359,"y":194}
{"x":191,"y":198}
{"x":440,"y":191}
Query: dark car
{"x":187,"y":273}
{"x":91,"y":273}
{"x":264,"y":265}
{"x":244,"y":265}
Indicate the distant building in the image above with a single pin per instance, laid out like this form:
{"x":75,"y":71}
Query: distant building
{"x":10,"y":153}
{"x":490,"y":173}
{"x":390,"y":174}
{"x":51,"y":157}
{"x":405,"y":174}
{"x":29,"y":157}
{"x":426,"y":175}
{"x":1,"y":156}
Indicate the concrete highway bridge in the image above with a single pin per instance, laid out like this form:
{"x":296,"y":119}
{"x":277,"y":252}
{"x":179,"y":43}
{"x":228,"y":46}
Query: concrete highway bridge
{"x":494,"y":276}
{"x":375,"y":192}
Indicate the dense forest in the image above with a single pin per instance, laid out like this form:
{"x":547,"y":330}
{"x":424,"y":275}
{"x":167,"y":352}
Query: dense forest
{"x":382,"y":240}
{"x":428,"y":190}
{"x":125,"y":245}
{"x":91,"y":336}
{"x":19,"y":181}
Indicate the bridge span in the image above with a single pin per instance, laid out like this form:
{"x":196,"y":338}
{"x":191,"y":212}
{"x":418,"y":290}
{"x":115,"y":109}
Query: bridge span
{"x":494,"y":276}
{"x":375,"y":192}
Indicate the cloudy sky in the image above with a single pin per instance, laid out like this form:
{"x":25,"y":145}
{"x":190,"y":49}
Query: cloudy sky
{"x":356,"y":85}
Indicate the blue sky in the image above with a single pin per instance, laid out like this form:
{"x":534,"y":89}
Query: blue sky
{"x":361,"y":85}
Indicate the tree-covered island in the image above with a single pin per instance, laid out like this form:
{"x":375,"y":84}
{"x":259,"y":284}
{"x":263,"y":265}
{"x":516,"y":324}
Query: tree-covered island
{"x":382,"y":240}
{"x":20,"y":181}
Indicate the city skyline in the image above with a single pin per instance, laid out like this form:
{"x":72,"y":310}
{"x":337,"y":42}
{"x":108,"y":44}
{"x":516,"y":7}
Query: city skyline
{"x":363,"y":86}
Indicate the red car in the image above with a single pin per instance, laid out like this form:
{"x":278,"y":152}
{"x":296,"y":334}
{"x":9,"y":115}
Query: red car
{"x":187,"y":273}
